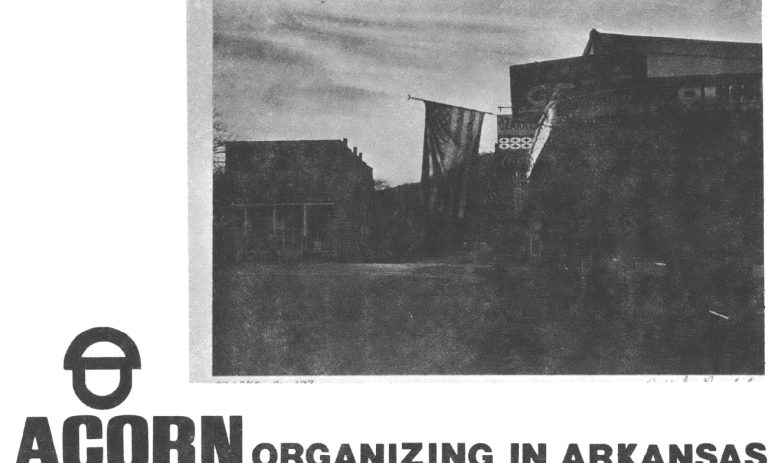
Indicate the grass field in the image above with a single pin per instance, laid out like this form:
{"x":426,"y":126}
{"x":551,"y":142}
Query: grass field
{"x":436,"y":319}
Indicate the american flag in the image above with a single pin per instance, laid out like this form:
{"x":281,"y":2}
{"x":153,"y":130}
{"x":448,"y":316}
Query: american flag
{"x":451,"y":139}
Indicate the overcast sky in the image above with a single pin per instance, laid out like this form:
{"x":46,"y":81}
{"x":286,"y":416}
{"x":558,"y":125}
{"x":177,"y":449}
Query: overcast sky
{"x":332,"y":69}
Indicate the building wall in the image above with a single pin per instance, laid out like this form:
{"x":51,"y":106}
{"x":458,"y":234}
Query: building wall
{"x":665,"y":65}
{"x":681,"y":189}
{"x":675,"y":57}
{"x":324,"y":171}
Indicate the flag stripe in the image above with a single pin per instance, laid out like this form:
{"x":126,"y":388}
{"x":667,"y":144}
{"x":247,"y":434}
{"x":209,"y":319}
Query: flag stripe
{"x":451,"y":139}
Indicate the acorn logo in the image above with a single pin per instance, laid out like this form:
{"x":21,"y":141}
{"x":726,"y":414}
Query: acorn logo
{"x":76,"y":362}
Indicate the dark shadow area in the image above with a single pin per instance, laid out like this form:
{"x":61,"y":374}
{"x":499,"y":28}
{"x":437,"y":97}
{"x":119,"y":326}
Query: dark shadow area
{"x":446,"y":319}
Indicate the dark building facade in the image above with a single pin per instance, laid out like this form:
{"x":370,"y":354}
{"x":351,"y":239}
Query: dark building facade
{"x":407,"y":230}
{"x":295,"y":200}
{"x":673,"y":57}
{"x":691,"y":72}
{"x":652,"y":180}
{"x":638,"y":101}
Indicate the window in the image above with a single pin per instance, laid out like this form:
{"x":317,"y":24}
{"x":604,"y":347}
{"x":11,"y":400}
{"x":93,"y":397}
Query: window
{"x":687,"y":93}
{"x":535,"y":245}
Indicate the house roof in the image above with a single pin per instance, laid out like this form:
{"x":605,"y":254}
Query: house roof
{"x":300,"y":147}
{"x":290,"y":144}
{"x":600,"y":43}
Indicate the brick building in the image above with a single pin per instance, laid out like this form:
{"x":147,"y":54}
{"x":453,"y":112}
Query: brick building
{"x":674,"y":57}
{"x":692,"y":72}
{"x":294,"y":200}
{"x":648,"y":161}
{"x":642,"y":104}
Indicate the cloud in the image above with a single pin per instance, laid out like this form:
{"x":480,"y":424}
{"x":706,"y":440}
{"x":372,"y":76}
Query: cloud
{"x":338,"y":93}
{"x":473,"y":24}
{"x":258,"y":49}
{"x":319,"y":93}
{"x":295,"y":69}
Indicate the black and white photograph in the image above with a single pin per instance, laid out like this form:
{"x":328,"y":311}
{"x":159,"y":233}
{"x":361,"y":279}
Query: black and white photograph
{"x":485,"y":189}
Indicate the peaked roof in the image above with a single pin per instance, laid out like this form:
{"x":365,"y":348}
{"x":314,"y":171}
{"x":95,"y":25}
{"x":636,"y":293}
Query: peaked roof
{"x":603,"y":43}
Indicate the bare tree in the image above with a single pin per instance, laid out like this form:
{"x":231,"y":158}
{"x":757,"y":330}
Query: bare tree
{"x":221,"y":135}
{"x":381,"y":184}
{"x":223,"y":249}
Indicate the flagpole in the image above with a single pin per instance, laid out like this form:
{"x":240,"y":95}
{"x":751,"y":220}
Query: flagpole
{"x":469,"y":109}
